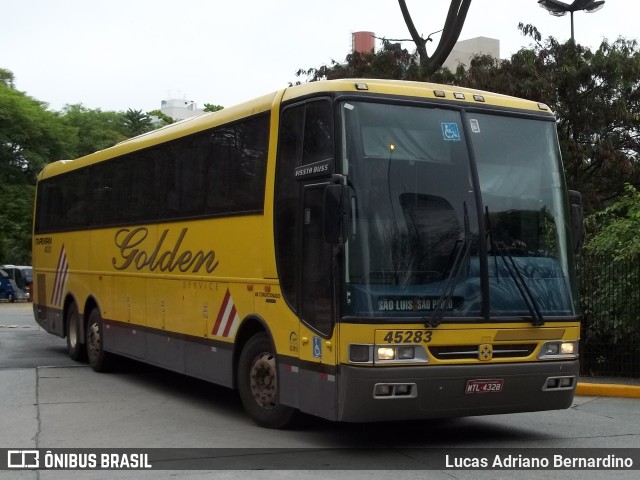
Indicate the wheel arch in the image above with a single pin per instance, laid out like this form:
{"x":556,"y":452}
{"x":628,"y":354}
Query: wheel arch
{"x":250,"y":326}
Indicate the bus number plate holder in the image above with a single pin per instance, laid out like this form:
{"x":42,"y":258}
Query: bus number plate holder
{"x":493,"y":385}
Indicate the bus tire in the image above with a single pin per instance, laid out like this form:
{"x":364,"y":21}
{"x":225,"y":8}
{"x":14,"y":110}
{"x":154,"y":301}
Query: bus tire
{"x":76,"y":349}
{"x":99,"y":360}
{"x":258,"y":384}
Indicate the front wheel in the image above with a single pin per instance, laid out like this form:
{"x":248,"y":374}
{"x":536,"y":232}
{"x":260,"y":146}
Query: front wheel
{"x":258,"y":384}
{"x":99,"y":360}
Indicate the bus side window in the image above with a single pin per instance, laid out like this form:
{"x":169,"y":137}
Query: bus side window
{"x":318,"y":132}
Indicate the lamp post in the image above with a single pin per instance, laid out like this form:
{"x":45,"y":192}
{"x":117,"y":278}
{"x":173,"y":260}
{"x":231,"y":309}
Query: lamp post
{"x":559,"y":9}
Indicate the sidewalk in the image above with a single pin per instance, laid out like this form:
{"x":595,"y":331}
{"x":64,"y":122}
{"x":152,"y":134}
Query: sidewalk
{"x":608,"y":387}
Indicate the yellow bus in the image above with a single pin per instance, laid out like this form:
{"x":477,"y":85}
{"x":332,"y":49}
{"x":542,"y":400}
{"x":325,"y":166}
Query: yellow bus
{"x":358,"y":250}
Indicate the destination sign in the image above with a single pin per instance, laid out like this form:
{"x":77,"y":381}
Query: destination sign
{"x":416,"y":304}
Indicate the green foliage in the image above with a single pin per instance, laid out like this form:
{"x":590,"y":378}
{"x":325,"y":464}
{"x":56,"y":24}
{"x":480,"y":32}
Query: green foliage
{"x":209,"y":107}
{"x":392,"y":62}
{"x":610,"y":271}
{"x":136,"y":122}
{"x":613,"y":232}
{"x":30,"y":137}
{"x":6,"y":77}
{"x":164,"y":118}
{"x":15,"y":223}
{"x":94,"y":129}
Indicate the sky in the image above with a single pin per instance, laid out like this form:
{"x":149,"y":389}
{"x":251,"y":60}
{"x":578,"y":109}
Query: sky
{"x":121,"y":54}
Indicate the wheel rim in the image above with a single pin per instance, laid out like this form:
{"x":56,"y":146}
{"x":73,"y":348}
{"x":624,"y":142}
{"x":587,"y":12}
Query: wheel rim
{"x":93,"y":342}
{"x":264,"y":381}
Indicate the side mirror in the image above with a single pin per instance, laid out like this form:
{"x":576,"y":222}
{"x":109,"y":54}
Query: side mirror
{"x":577,"y":220}
{"x":336,"y":213}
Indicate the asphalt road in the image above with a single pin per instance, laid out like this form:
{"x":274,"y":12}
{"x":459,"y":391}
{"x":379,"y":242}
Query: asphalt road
{"x":50,"y":401}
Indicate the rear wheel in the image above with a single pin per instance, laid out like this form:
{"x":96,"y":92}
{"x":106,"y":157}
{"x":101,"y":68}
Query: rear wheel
{"x":76,"y":349}
{"x":258,"y":384}
{"x":99,"y":360}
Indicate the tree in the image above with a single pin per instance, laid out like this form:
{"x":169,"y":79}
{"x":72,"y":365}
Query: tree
{"x":209,"y":107}
{"x":613,"y":231}
{"x":30,"y":137}
{"x":136,"y":122}
{"x":95,"y":129}
{"x":393,"y":62}
{"x":7,"y":77}
{"x":163,"y":117}
{"x":610,"y":285}
{"x":450,"y":33}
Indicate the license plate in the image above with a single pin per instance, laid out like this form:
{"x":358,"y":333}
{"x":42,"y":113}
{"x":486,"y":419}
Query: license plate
{"x":493,"y":385}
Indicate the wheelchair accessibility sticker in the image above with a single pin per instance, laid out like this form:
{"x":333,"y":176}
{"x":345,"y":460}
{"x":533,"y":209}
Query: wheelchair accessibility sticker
{"x":450,"y":132}
{"x":317,"y":347}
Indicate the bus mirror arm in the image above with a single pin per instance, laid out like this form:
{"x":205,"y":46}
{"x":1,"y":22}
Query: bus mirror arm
{"x":337,"y":203}
{"x":577,"y":223}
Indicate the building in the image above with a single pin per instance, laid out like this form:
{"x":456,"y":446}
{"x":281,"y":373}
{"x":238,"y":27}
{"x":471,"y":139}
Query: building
{"x":180,"y":109}
{"x":465,"y":50}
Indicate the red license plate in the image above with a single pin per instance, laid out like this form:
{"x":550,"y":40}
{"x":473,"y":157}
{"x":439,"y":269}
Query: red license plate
{"x":493,"y":385}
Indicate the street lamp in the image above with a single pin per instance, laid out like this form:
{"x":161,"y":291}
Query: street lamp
{"x":559,"y":9}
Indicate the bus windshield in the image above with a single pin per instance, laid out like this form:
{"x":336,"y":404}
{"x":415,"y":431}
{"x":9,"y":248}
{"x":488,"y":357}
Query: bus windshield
{"x":421,"y":244}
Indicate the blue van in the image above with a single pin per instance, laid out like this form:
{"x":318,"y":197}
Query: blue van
{"x":9,"y":290}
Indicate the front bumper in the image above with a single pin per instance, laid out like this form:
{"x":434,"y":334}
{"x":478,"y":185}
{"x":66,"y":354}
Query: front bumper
{"x":439,"y":391}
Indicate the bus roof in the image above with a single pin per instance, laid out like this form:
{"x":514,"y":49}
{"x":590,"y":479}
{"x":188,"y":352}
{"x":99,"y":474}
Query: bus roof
{"x":398,"y":88}
{"x":414,"y":89}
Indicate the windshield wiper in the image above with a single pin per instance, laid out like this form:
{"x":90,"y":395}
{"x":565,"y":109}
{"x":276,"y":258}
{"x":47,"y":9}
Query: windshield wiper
{"x":502,"y":250}
{"x":461,"y":259}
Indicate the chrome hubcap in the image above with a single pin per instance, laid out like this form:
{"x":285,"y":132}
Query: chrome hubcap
{"x":263,"y":381}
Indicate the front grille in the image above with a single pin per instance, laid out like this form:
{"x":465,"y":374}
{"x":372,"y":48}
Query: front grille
{"x":466,"y":352}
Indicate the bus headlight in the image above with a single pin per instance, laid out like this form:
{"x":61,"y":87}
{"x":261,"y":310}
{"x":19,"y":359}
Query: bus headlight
{"x":400,"y":354}
{"x":555,"y":350}
{"x":386,"y":353}
{"x":406,"y":353}
{"x":372,"y":354}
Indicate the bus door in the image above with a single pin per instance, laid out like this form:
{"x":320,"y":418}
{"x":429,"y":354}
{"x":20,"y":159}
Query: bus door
{"x":318,"y":345}
{"x":305,"y":262}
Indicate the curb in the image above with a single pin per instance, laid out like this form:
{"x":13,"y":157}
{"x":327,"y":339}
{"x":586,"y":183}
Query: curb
{"x":607,"y":390}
